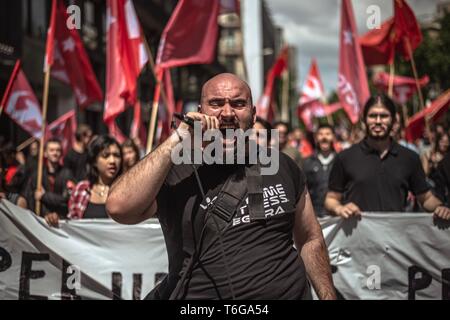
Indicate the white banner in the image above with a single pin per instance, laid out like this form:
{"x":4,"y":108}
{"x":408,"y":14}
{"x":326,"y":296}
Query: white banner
{"x":88,"y":259}
{"x":390,"y":256}
{"x":382,"y":256}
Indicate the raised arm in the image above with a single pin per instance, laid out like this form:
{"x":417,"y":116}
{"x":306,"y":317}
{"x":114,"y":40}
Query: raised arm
{"x":132,"y":197}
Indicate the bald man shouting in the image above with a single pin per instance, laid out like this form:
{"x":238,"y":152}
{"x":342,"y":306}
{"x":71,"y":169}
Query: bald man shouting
{"x":229,"y":230}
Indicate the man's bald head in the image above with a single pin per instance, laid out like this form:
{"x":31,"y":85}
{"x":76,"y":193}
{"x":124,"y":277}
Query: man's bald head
{"x":224,"y":79}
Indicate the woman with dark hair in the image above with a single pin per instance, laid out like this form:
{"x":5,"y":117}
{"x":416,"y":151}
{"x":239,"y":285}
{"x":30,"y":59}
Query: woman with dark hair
{"x":431,"y":159}
{"x":104,"y":165}
{"x":130,"y":152}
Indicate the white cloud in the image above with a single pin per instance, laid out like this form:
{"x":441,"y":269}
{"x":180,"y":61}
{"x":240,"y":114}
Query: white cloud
{"x":313,"y":27}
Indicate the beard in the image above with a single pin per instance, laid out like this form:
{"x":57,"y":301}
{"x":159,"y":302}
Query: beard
{"x":325,"y":145}
{"x":384,"y":136}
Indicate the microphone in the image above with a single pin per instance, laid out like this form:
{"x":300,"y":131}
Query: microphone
{"x":183,"y":117}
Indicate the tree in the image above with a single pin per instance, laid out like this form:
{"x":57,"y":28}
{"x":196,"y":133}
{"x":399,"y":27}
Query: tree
{"x":432,"y":57}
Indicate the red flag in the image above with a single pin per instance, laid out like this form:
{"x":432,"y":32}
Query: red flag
{"x":64,"y":129}
{"x":166,"y":108}
{"x":190,"y":36}
{"x":263,"y":108}
{"x":404,"y":87}
{"x":125,"y":57}
{"x":407,"y":30}
{"x":21,"y":105}
{"x":137,"y":126}
{"x":179,"y":106}
{"x":115,"y":132}
{"x":416,"y":123}
{"x":316,"y":109}
{"x":313,"y":87}
{"x":48,"y":60}
{"x":353,"y":90}
{"x":69,"y":60}
{"x":378,"y":45}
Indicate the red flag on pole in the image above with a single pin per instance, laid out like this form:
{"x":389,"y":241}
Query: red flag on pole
{"x":183,"y":42}
{"x":190,"y":36}
{"x":68,"y":58}
{"x":166,"y":108}
{"x":316,"y":109}
{"x":21,"y":105}
{"x":406,"y":28}
{"x":264,"y":106}
{"x":416,"y":123}
{"x":137,"y":127}
{"x":404,"y":87}
{"x":64,"y":129}
{"x":378,"y":45}
{"x":353,"y":89}
{"x":48,"y":60}
{"x":312,"y":89}
{"x":125,"y":57}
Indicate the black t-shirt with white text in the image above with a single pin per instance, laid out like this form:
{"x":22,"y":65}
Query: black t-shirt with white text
{"x":252,"y":259}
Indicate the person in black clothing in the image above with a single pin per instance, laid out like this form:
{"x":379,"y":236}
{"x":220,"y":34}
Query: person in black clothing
{"x":376,"y":174}
{"x":32,"y":158}
{"x":76,"y":158}
{"x":57,"y":182}
{"x":318,"y":166}
{"x":229,"y":231}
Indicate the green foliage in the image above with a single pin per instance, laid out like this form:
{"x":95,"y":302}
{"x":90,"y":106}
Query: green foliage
{"x":432,"y":57}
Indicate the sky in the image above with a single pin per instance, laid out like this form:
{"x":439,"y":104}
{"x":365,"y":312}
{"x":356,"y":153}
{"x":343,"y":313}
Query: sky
{"x":313,"y":27}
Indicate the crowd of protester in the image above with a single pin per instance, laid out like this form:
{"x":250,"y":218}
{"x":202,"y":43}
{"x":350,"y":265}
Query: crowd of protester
{"x":76,"y":185}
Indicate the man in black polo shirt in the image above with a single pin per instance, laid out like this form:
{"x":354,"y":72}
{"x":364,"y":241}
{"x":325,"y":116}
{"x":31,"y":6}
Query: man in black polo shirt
{"x":376,"y":174}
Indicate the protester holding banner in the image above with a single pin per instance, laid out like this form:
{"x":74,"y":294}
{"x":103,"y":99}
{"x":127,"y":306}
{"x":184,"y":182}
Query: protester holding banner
{"x":104,"y":165}
{"x":57,"y":183}
{"x":318,"y":166}
{"x":254,"y":257}
{"x":376,"y":174}
{"x":76,"y":158}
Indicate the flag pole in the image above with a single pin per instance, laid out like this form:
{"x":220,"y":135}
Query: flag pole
{"x":25,"y":144}
{"x":151,"y":63}
{"x":416,"y":77}
{"x":152,"y":125}
{"x":158,"y":91}
{"x":42,"y":140}
{"x":285,"y":97}
{"x":405,"y":115}
{"x":391,"y":79}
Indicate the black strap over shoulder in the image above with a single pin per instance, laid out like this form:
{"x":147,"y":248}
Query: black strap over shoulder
{"x":255,"y":192}
{"x":217,"y":217}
